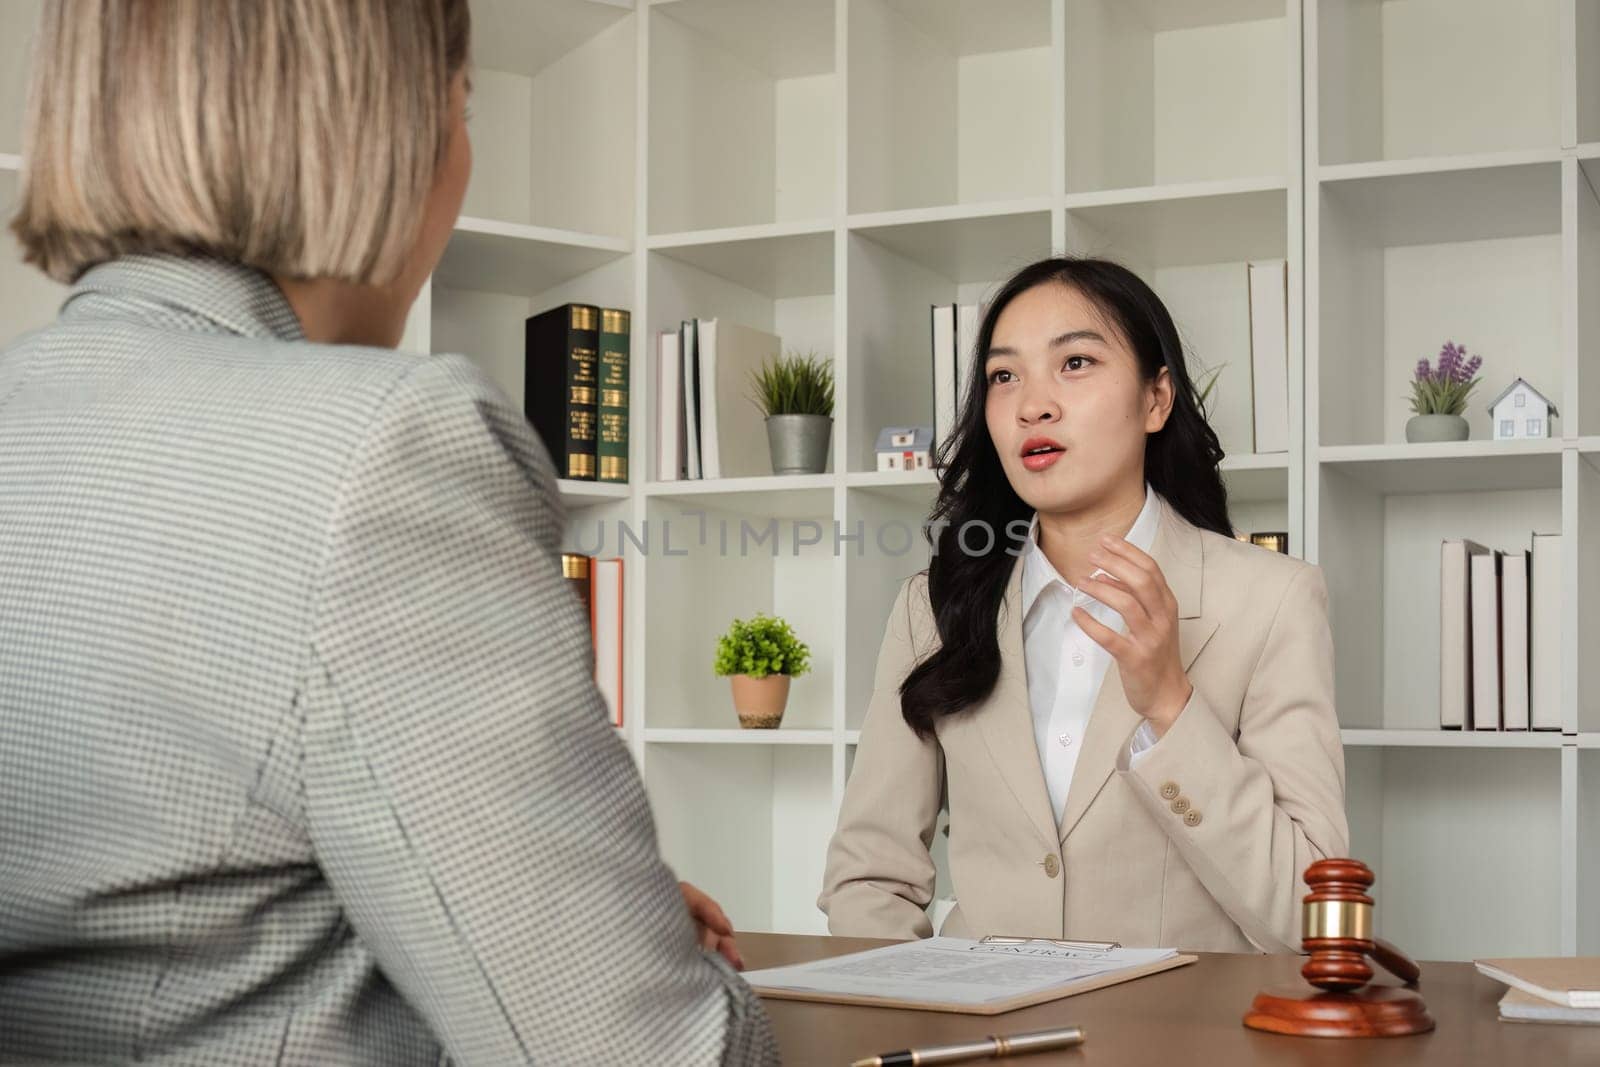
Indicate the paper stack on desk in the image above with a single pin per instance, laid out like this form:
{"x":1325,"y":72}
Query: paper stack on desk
{"x":957,"y":975}
{"x":1553,"y":989}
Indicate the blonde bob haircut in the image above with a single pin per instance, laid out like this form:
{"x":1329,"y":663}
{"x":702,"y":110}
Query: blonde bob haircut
{"x":300,"y":137}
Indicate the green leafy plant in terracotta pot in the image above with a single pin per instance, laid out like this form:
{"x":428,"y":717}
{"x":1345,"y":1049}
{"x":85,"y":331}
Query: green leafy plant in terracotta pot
{"x":760,"y":656}
{"x":795,"y":395}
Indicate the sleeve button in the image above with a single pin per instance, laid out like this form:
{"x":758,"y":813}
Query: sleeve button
{"x":1192,"y":817}
{"x":1169,"y":790}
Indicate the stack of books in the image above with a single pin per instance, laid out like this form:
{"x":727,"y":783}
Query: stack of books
{"x":597,"y":583}
{"x":708,"y":423}
{"x":1548,"y":990}
{"x":1499,"y":636}
{"x":576,"y":389}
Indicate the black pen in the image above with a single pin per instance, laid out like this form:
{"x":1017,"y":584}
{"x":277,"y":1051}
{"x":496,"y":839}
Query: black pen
{"x":988,"y":1048}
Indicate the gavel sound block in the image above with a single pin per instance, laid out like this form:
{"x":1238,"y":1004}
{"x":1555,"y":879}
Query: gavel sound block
{"x":1337,"y":932}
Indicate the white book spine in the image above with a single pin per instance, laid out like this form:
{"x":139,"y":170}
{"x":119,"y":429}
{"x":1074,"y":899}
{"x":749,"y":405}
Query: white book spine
{"x":1269,"y":353}
{"x":710,"y":437}
{"x":1483,"y":592}
{"x":1455,"y":642}
{"x":944,"y":371}
{"x":1514,"y":640}
{"x":1544,"y":669}
{"x":669,"y":408}
{"x":967,"y":323}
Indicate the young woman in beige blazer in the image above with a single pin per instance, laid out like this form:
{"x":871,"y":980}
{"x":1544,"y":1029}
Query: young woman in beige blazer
{"x":1128,"y":713}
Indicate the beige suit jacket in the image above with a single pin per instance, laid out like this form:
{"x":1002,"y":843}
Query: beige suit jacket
{"x":1201,"y":846}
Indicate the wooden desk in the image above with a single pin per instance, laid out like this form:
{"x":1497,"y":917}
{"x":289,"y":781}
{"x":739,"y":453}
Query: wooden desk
{"x":1189,"y":1017}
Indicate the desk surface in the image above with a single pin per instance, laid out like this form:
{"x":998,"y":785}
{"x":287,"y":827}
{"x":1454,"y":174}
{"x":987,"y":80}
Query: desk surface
{"x":1189,"y":1016}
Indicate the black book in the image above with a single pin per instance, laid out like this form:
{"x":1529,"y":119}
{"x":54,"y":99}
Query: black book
{"x":561,"y":388}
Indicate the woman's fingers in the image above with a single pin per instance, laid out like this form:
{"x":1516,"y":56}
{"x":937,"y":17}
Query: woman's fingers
{"x":705,"y":911}
{"x":1101,"y":634}
{"x":729,"y":951}
{"x":1117,"y":595}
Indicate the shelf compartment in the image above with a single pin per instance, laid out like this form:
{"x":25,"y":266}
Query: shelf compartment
{"x":520,"y":260}
{"x":1581,"y":181}
{"x":1194,"y":251}
{"x":1380,"y":554}
{"x":742,"y":113}
{"x":1425,"y":819}
{"x":715,"y":558}
{"x":780,"y":261}
{"x":1390,"y":82}
{"x":800,"y":316}
{"x":1258,"y":495}
{"x":928,"y":79}
{"x":1133,"y":115}
{"x":748,"y":824}
{"x":488,"y":325}
{"x":1407,"y":262}
{"x":896,"y":272}
{"x":546,"y":77}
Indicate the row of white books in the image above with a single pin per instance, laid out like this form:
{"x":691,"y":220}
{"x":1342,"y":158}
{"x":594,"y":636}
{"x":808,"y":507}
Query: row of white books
{"x":1500,"y":636}
{"x":708,"y":424}
{"x":1265,"y":374}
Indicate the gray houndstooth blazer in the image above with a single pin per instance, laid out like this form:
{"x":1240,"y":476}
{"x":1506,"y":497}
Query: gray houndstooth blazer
{"x":301,"y":761}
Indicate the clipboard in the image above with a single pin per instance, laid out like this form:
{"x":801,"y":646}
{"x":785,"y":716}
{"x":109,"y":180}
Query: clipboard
{"x":986,"y":1008}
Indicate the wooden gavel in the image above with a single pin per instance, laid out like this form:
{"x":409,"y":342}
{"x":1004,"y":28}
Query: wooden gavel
{"x":1337,"y":933}
{"x":1337,"y":930}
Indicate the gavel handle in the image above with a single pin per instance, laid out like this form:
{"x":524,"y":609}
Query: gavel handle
{"x":1395,"y":962}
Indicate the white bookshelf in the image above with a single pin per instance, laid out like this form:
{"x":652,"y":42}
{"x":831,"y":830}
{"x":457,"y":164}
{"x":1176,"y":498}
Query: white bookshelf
{"x":825,"y":169}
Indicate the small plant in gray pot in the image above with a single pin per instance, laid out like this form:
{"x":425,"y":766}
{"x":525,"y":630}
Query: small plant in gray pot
{"x":795,"y":394}
{"x":1439,"y":395}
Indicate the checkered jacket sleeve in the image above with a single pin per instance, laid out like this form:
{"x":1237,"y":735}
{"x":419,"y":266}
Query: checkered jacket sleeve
{"x":472,"y":807}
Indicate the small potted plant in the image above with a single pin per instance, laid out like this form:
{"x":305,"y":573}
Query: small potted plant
{"x":1439,"y":395}
{"x":760,"y":656}
{"x":795,"y":394}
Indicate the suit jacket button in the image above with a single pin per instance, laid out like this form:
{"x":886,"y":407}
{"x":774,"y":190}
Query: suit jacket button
{"x":1169,"y":790}
{"x":1181,"y":805}
{"x":1192,"y":817}
{"x":1052,"y":866}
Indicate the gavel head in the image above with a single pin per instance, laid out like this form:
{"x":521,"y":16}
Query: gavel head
{"x":1337,"y":925}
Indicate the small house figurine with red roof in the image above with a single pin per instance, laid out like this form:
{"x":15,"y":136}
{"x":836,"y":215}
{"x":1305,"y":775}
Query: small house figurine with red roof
{"x":905,"y":448}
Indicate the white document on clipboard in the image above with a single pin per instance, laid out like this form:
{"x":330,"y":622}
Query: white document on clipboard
{"x":961,"y":975}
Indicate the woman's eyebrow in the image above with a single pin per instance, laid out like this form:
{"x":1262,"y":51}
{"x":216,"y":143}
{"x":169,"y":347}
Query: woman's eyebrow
{"x":1065,"y":339}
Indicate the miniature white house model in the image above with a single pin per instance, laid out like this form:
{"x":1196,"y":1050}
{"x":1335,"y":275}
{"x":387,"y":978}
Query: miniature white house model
{"x":905,"y":448}
{"x":1521,"y":412}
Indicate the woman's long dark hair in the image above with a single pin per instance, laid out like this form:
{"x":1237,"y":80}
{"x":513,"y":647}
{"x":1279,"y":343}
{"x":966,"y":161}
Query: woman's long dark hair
{"x":965,"y":588}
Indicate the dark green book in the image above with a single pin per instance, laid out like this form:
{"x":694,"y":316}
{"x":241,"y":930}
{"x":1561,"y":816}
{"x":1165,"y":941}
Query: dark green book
{"x":613,"y":447}
{"x":561,"y":388}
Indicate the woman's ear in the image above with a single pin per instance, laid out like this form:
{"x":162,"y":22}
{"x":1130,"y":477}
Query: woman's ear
{"x":1160,"y":399}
